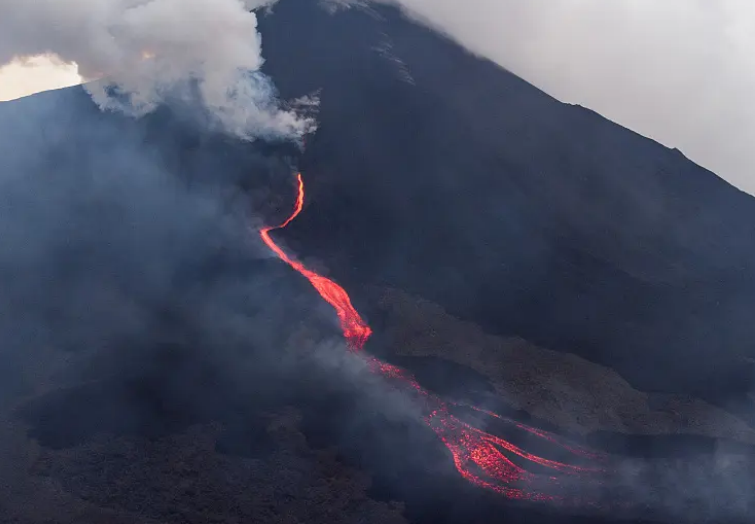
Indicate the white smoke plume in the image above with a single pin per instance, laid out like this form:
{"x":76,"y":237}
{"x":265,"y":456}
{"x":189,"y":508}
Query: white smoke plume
{"x":141,"y":52}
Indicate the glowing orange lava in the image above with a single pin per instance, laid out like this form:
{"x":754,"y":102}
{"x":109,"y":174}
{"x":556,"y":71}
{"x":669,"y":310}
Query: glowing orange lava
{"x":355,"y":330}
{"x":480,"y":457}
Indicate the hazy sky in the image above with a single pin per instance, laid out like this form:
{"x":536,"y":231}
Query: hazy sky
{"x":39,"y":74}
{"x":679,"y":71}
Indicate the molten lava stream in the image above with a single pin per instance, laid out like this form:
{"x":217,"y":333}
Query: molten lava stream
{"x":480,"y":457}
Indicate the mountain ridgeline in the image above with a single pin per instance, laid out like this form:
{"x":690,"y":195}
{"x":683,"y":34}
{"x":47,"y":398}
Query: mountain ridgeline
{"x":441,"y":173}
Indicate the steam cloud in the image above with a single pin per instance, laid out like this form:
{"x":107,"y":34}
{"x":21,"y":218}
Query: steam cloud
{"x":679,"y":71}
{"x":143,"y":52}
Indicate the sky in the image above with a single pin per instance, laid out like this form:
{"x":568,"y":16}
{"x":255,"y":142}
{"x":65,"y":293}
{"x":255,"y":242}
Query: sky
{"x":679,"y":71}
{"x":41,"y":73}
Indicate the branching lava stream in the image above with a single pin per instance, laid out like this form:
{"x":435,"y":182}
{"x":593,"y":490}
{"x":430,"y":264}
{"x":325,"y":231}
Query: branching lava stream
{"x":480,"y":457}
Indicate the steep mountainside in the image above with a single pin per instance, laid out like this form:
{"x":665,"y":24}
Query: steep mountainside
{"x":529,"y":256}
{"x":440,"y":173}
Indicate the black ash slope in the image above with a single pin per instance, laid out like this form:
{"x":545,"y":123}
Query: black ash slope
{"x":440,"y":173}
{"x":103,"y":202}
{"x":445,"y":176}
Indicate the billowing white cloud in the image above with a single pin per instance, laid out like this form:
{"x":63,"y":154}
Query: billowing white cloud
{"x":142,"y":51}
{"x":679,"y":71}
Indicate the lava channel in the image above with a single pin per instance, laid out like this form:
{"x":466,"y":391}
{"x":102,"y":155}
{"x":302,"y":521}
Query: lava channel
{"x":480,"y":457}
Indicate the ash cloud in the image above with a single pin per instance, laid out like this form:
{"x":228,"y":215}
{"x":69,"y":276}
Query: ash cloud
{"x":103,"y":230}
{"x":141,"y":53}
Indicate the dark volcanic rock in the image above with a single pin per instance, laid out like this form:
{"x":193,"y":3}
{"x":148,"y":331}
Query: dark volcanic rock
{"x":442,"y":174}
{"x":181,"y":479}
{"x":569,"y":392}
{"x":432,"y":171}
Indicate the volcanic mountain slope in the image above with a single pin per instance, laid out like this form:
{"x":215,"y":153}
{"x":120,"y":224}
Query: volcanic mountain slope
{"x":149,"y":342}
{"x":567,"y":391}
{"x":433,"y":172}
{"x":192,"y":423}
{"x":182,"y":478}
{"x":437,"y":172}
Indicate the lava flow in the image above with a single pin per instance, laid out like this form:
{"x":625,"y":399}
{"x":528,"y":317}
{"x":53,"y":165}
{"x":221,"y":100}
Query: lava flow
{"x":483,"y":459}
{"x":355,"y":330}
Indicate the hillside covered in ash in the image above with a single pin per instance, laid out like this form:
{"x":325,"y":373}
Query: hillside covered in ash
{"x":510,"y":252}
{"x":443,"y":174}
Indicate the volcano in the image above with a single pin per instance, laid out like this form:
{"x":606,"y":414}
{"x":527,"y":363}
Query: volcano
{"x":461,"y":301}
{"x":549,"y":230}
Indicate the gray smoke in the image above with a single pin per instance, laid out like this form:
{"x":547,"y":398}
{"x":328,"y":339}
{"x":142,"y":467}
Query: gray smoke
{"x":95,"y":226}
{"x":139,"y":53}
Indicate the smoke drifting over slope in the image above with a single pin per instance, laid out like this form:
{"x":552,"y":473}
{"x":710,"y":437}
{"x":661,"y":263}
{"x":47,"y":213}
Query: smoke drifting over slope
{"x":142,"y":53}
{"x":679,"y":71}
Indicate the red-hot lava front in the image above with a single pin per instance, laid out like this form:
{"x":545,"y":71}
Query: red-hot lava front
{"x":480,"y":457}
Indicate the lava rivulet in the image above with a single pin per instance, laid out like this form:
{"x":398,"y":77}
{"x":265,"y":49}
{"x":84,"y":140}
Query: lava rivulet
{"x":354,"y":328}
{"x":484,"y":459}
